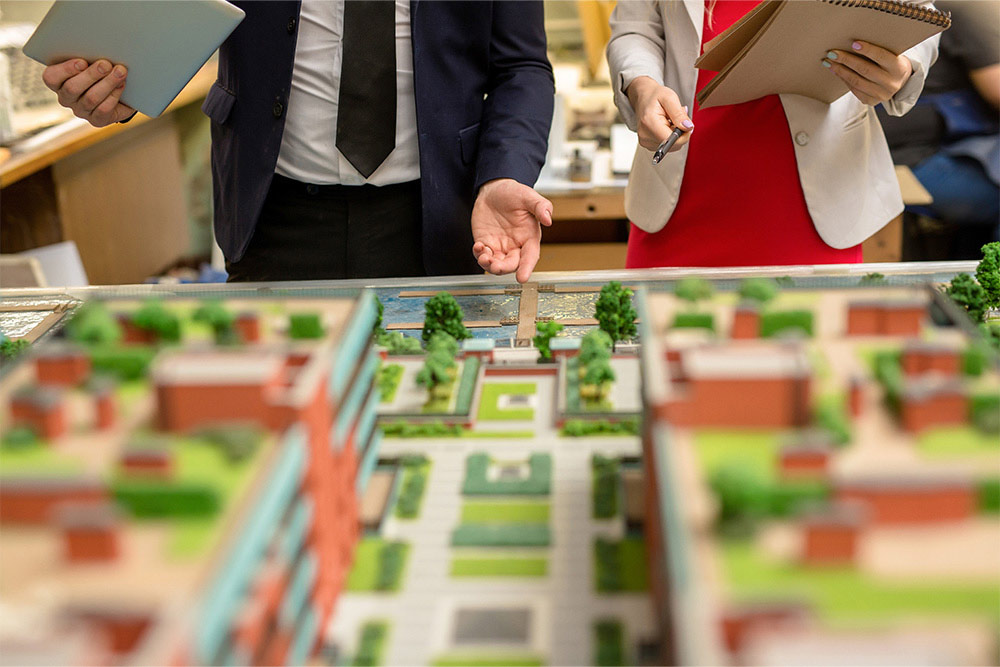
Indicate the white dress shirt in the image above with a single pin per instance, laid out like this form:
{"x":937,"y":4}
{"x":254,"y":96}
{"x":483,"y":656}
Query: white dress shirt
{"x":309,"y":143}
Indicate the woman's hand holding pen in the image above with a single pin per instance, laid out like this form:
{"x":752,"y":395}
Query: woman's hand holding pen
{"x":873,"y":74}
{"x":658,"y":111}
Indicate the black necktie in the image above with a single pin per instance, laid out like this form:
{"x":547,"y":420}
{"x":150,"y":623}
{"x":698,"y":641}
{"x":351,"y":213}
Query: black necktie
{"x":366,"y":118}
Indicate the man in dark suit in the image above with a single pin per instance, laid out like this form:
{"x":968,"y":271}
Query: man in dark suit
{"x":368,"y":138}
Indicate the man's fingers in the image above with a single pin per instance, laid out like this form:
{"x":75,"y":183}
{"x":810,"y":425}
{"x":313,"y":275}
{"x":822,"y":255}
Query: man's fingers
{"x":99,"y":93}
{"x":530,"y":253}
{"x":542,"y":210}
{"x":74,"y":87}
{"x":108,"y":112}
{"x":54,"y":76}
{"x":506,"y":263}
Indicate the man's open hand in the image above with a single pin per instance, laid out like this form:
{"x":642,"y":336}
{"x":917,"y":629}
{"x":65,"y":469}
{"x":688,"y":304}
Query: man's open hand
{"x":506,"y":227}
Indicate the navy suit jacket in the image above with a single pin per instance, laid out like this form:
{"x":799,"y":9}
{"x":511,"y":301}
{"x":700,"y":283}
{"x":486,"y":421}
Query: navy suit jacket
{"x":484,"y":95}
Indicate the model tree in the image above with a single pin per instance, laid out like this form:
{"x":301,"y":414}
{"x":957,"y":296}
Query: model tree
{"x":439,"y":365}
{"x":442,"y":313}
{"x":154,"y":317}
{"x":11,"y":349}
{"x":595,"y":345}
{"x":694,"y":290}
{"x":759,"y":290}
{"x":546,"y":331}
{"x":615,"y":313}
{"x":396,"y":343}
{"x":213,"y":314}
{"x":988,"y":273}
{"x":92,"y":324}
{"x":597,"y":379}
{"x":968,"y":294}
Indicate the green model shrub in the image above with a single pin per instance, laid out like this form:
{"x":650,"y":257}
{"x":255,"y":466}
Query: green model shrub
{"x":371,"y":645}
{"x":609,"y":639}
{"x":236,"y":442}
{"x":388,"y":381}
{"x":126,"y":362}
{"x":467,"y":385}
{"x":392,"y":558}
{"x":608,"y":565}
{"x":19,"y":437}
{"x":694,"y":321}
{"x":425,"y":430}
{"x":159,"y":500}
{"x":831,"y":416}
{"x":888,"y":372}
{"x":501,"y":535}
{"x":583,"y":427}
{"x":984,"y":410}
{"x":412,"y":491}
{"x":975,"y":358}
{"x":605,"y":486}
{"x":988,"y":493}
{"x":775,"y":322}
{"x":304,"y":326}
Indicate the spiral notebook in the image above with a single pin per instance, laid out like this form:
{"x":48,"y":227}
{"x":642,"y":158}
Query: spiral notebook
{"x":778,"y":47}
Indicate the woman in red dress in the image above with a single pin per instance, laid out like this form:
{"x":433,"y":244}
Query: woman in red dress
{"x":740,"y":199}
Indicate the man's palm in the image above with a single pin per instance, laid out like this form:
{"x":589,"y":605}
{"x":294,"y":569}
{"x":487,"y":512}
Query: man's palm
{"x":506,"y":227}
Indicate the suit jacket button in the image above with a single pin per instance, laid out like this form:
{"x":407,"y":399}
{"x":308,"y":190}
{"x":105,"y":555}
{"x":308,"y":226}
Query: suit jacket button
{"x":278,"y":109}
{"x":291,"y":26}
{"x":802,"y":138}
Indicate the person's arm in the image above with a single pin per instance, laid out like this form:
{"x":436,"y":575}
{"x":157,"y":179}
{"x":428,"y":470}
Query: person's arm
{"x":92,"y":91}
{"x":635,"y":58}
{"x":987,"y":83}
{"x":513,"y":138}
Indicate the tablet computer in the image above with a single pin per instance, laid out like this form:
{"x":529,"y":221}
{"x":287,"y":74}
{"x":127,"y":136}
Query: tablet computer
{"x":163,"y":43}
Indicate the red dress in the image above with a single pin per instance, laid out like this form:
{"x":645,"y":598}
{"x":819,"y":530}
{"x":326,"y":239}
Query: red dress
{"x":741,"y":203}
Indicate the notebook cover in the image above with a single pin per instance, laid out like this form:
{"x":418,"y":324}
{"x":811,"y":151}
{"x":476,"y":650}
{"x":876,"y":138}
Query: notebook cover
{"x":785,"y":55}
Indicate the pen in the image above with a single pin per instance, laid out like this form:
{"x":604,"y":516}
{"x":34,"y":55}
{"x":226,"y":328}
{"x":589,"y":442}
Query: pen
{"x":665,"y":147}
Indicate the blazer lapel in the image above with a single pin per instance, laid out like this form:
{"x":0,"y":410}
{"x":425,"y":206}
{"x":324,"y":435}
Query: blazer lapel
{"x":696,"y":12}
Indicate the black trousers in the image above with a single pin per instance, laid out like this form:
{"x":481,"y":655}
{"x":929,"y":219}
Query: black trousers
{"x":323,"y":232}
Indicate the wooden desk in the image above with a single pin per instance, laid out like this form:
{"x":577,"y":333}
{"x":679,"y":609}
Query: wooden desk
{"x":588,"y":230}
{"x":117,"y":191}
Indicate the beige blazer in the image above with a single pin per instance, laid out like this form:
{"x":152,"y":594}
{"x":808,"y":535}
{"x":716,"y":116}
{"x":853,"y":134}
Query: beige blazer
{"x":844,"y":165}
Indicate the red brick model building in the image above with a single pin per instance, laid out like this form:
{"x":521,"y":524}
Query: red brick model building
{"x":915,"y":500}
{"x":64,"y":366}
{"x":933,"y":401}
{"x":247,"y":326}
{"x":90,"y":532}
{"x":919,"y":357}
{"x":831,"y":536}
{"x":758,"y":385}
{"x":197,"y":389}
{"x":42,"y":409}
{"x":34,"y":501}
{"x":885,"y":318}
{"x":746,"y":322}
{"x":805,"y":460}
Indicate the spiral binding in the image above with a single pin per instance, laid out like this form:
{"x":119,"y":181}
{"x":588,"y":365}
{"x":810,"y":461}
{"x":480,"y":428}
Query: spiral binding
{"x":900,"y":8}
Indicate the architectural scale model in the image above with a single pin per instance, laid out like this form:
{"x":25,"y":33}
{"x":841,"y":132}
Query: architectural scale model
{"x":739,"y":472}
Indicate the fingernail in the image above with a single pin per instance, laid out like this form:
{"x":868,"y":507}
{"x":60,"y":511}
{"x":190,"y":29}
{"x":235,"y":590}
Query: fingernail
{"x":81,"y":65}
{"x":856,"y":46}
{"x":685,"y":109}
{"x":831,"y":55}
{"x":687,"y":124}
{"x":120,"y":72}
{"x":103,"y":67}
{"x":826,"y":63}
